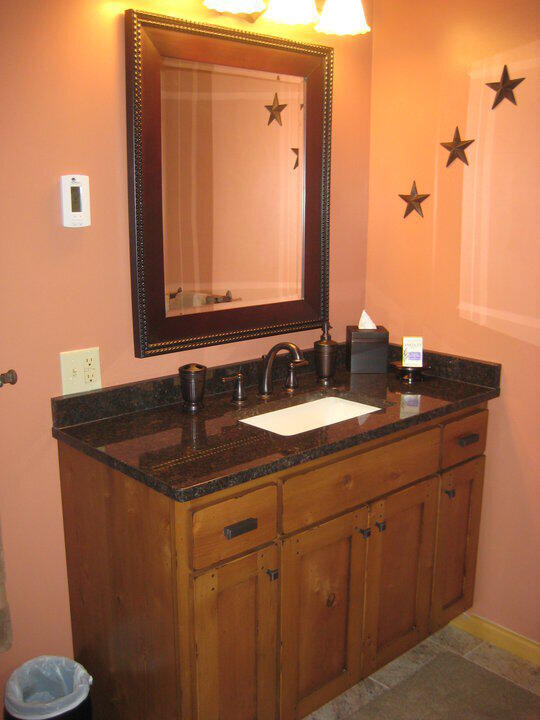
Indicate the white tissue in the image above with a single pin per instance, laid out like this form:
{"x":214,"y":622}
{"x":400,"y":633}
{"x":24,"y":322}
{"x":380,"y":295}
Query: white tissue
{"x":366,"y":323}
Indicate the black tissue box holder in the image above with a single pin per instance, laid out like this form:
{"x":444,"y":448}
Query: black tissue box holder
{"x":367,"y":350}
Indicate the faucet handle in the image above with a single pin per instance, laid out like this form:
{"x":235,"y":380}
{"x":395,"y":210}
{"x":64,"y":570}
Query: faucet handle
{"x":291,"y":383}
{"x":239,"y":392}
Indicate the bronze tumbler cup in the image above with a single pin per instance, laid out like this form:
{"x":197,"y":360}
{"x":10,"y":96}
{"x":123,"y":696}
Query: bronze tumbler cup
{"x":192,"y":379}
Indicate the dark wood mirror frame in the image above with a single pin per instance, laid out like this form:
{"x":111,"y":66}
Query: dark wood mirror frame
{"x":148,"y":38}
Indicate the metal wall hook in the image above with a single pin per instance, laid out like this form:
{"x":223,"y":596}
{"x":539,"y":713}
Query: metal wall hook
{"x":8,"y":378}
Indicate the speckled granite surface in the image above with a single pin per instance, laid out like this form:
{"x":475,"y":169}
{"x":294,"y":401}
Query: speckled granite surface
{"x":141,"y":429}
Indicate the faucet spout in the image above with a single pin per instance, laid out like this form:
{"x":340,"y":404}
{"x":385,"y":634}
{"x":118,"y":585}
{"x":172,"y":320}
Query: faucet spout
{"x":266,"y":384}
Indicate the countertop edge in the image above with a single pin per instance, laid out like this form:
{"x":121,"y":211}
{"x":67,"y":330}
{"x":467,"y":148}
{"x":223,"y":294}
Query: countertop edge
{"x":284,"y":463}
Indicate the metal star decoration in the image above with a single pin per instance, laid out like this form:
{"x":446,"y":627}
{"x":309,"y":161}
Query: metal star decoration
{"x":504,"y":89}
{"x":296,"y":151}
{"x":457,"y":148}
{"x":413,"y":201}
{"x":275,"y":110}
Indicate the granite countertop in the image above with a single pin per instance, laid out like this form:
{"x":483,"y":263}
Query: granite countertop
{"x":142,"y":430}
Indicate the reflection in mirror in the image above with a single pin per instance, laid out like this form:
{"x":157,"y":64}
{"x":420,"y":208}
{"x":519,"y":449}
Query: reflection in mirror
{"x":232,"y":142}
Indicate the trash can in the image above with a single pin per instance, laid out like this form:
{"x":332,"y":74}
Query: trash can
{"x":48,"y":687}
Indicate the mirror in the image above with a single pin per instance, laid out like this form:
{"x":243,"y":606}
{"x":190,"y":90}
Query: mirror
{"x":228,"y":152}
{"x":220,"y":126}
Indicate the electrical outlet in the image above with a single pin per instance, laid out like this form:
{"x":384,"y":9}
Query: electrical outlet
{"x":80,"y":370}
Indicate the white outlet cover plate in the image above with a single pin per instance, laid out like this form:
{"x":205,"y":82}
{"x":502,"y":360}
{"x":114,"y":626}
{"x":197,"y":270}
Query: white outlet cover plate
{"x":80,"y":370}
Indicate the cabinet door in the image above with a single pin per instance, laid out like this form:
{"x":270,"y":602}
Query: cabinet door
{"x":460,"y":502}
{"x":236,"y":611}
{"x":322,"y":607}
{"x":399,"y":573}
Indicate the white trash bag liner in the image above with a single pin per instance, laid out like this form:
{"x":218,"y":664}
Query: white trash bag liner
{"x":46,"y":687}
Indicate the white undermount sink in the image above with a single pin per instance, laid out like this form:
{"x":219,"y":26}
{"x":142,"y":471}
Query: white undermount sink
{"x":310,"y":415}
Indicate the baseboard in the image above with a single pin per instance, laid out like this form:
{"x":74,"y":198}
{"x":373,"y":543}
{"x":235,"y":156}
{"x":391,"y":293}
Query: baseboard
{"x":500,"y":637}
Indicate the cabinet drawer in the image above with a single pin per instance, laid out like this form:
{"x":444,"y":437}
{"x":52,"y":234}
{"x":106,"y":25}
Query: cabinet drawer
{"x":338,"y":486}
{"x":234,"y":526}
{"x":464,"y":439}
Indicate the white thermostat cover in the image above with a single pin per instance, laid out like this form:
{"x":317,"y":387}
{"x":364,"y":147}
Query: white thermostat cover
{"x":75,"y":192}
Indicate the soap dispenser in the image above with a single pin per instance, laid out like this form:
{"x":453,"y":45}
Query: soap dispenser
{"x":325,"y":356}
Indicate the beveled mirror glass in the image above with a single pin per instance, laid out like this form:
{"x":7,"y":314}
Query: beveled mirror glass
{"x":228,"y":150}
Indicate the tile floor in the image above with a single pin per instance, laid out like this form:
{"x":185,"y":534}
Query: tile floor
{"x":491,"y":658}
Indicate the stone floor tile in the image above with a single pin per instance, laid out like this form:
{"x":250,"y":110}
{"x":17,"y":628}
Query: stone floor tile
{"x":509,"y":666}
{"x":407,"y":664}
{"x":459,"y":641}
{"x":326,"y":712}
{"x":364,"y":692}
{"x":450,"y":687}
{"x":342,"y":707}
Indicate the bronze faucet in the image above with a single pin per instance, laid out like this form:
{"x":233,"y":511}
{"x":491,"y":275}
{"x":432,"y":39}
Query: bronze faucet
{"x":266,"y":385}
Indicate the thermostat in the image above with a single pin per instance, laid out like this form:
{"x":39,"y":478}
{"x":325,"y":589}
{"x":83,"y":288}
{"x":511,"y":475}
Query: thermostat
{"x":75,"y":191}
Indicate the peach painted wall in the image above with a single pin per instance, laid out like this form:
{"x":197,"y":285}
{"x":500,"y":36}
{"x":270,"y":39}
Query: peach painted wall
{"x":63,"y":110}
{"x":466,"y":276}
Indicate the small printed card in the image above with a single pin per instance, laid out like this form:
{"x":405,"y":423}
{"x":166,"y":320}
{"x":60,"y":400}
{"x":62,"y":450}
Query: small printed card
{"x":412,"y":352}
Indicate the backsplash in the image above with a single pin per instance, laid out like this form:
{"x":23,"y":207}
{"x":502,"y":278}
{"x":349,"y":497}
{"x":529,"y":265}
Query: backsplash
{"x":133,"y":397}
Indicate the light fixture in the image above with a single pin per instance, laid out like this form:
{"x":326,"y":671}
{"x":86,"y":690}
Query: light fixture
{"x":292,"y":12}
{"x":246,"y":7}
{"x":343,"y":17}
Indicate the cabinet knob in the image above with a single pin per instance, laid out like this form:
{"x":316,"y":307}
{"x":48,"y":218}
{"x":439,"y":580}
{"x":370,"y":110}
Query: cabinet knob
{"x":273,"y":574}
{"x":451,"y":493}
{"x":381,"y":525}
{"x":365,"y":532}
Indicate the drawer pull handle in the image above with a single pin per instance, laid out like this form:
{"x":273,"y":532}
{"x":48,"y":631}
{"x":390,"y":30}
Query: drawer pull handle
{"x":465,"y":440}
{"x":272,"y":574}
{"x":365,"y":532}
{"x":451,"y":493}
{"x":239,"y":528}
{"x":381,"y":525}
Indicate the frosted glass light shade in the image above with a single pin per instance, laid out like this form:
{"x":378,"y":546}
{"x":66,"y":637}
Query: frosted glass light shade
{"x":235,"y":6}
{"x":292,"y":12}
{"x":343,"y":17}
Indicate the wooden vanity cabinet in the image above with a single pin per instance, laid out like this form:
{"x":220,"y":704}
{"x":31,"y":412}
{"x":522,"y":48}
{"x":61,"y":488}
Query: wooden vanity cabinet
{"x":355,"y":594}
{"x":266,"y":600}
{"x":322,"y":612}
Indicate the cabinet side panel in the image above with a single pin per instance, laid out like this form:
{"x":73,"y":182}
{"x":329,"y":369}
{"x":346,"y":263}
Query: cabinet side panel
{"x":120,"y":572}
